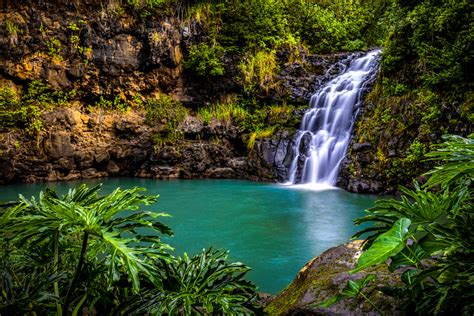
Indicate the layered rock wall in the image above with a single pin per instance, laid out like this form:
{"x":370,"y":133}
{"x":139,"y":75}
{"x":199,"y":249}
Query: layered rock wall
{"x":75,"y":145}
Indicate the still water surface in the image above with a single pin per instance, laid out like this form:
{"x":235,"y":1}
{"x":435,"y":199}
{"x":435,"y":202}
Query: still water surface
{"x":272,"y":228}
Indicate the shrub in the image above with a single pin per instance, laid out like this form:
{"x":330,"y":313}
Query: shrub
{"x":11,"y":112}
{"x":169,"y":113}
{"x":205,"y":60}
{"x":117,"y":103}
{"x":203,"y":284}
{"x":82,"y":245}
{"x":83,"y":252}
{"x":251,"y":24}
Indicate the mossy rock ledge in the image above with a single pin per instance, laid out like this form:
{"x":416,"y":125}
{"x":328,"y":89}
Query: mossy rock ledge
{"x":326,"y":275}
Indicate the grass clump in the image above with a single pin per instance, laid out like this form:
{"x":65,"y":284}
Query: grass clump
{"x":223,"y":112}
{"x":258,"y":134}
{"x":259,"y":71}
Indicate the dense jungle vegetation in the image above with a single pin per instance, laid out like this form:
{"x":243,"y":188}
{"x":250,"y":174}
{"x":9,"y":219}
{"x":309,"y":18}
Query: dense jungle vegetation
{"x":85,"y":253}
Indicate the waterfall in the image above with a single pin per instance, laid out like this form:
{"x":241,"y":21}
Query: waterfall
{"x":325,"y":131}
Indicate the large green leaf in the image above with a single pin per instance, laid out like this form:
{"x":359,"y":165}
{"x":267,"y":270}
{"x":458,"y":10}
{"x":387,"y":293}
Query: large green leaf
{"x":122,"y":240}
{"x":410,"y":256}
{"x":457,"y":154}
{"x":384,"y":246}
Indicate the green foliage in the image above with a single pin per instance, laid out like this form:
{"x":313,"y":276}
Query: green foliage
{"x":203,"y":284}
{"x":424,"y":88}
{"x":11,"y":27}
{"x":432,"y":46}
{"x":325,"y":26}
{"x":168,"y":113}
{"x":416,"y":117}
{"x":73,"y":27}
{"x":319,"y":26}
{"x":258,"y":122}
{"x":147,"y":7}
{"x":146,"y":3}
{"x":117,"y":103}
{"x":457,"y":155}
{"x":251,"y":24}
{"x":438,"y":251}
{"x":81,"y":251}
{"x":415,"y":152}
{"x":42,"y":95}
{"x":385,"y":245}
{"x":10,"y":109}
{"x":259,"y":133}
{"x":205,"y":60}
{"x":230,"y":112}
{"x":328,"y":26}
{"x":55,"y":48}
{"x":259,"y":71}
{"x":82,"y":235}
{"x":25,"y":111}
{"x":353,"y":289}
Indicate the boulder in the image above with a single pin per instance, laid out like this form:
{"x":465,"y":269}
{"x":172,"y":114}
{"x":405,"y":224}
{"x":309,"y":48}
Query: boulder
{"x":325,"y":276}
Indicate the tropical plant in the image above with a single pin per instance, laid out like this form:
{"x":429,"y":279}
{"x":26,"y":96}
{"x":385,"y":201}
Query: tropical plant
{"x":428,"y":232}
{"x":353,"y":289}
{"x":80,"y":251}
{"x":203,"y":284}
{"x":83,"y":244}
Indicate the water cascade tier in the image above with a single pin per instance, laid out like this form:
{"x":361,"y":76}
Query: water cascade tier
{"x":324,"y":134}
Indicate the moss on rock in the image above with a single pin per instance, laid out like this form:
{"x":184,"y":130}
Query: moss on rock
{"x":325,"y":276}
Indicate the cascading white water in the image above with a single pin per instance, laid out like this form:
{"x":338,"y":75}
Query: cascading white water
{"x":325,"y":130}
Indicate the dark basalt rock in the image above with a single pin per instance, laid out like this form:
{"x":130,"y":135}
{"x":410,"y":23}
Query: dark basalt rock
{"x":271,"y":157}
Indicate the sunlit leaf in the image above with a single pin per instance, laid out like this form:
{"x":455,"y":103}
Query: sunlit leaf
{"x":384,"y":246}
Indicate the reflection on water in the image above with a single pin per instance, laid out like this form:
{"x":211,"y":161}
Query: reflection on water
{"x":272,"y":228}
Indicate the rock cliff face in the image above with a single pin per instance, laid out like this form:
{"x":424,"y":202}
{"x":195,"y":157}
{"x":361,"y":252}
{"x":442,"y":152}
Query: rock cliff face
{"x":74,"y":145}
{"x":101,"y":48}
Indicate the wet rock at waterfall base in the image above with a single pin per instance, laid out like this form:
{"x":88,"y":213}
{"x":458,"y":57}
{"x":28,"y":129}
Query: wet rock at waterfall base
{"x":325,"y":276}
{"x":271,"y":157}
